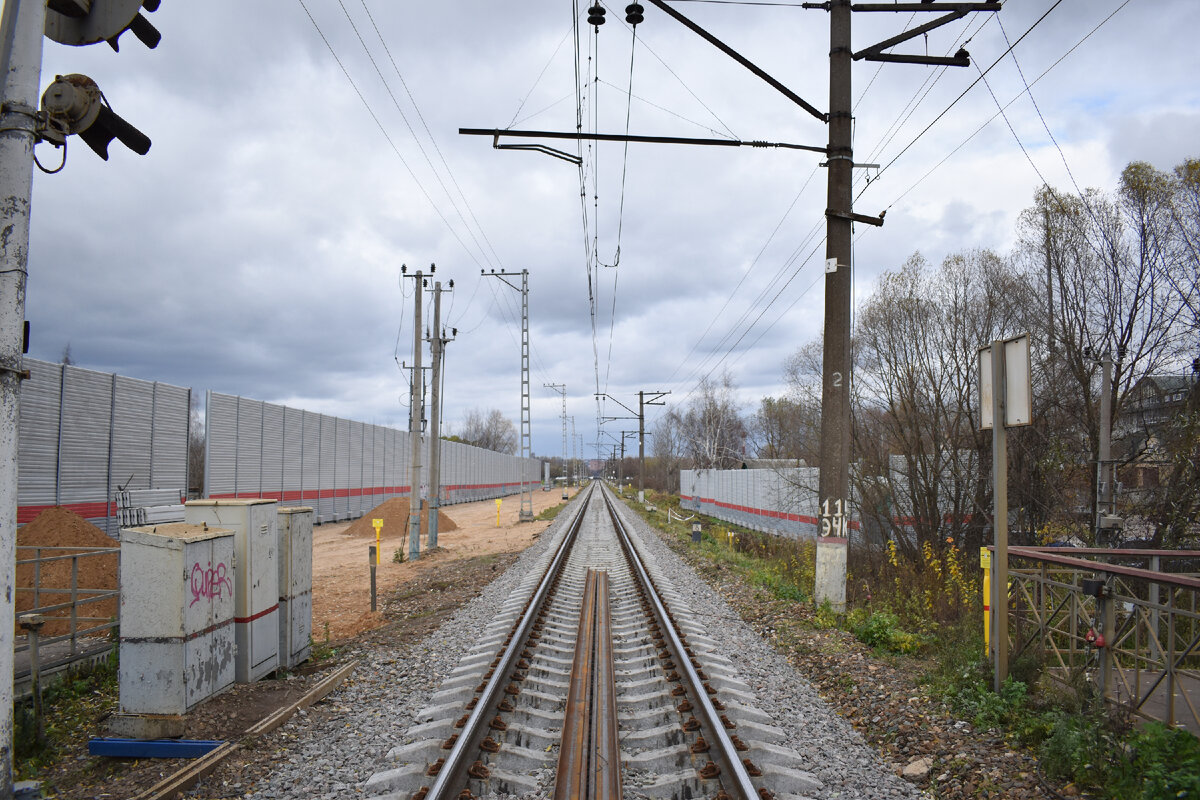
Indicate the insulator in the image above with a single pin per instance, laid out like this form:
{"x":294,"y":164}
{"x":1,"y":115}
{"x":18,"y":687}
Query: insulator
{"x":596,"y":15}
{"x":633,"y":13}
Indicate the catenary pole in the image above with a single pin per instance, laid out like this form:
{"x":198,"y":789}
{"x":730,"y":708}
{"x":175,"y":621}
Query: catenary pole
{"x":437,"y":343}
{"x":21,"y":29}
{"x":561,"y":388}
{"x":414,"y":430}
{"x":835,"y":368}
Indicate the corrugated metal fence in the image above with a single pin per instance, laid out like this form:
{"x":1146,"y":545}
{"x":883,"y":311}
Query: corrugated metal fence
{"x":779,"y":501}
{"x":341,"y":468}
{"x":84,"y":435}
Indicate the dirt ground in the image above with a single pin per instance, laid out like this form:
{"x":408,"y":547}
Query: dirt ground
{"x":341,"y":563}
{"x":466,"y":560}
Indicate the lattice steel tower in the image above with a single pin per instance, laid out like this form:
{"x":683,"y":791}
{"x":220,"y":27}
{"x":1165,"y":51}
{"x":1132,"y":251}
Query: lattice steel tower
{"x":526,"y":487}
{"x":561,"y":388}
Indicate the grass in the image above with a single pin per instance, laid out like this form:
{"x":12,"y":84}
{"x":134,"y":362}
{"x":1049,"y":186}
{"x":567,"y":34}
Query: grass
{"x":931,"y":610}
{"x":550,"y":513}
{"x":782,"y":566}
{"x":69,"y":705}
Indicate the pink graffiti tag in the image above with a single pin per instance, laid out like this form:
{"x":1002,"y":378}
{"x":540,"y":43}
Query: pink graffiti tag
{"x":209,"y":583}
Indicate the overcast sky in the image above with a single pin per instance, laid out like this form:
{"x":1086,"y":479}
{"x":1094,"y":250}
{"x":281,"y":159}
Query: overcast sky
{"x":256,"y":250}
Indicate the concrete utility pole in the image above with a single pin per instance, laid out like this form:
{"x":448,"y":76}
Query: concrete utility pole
{"x":833,"y":490}
{"x":656,"y":400}
{"x":526,"y":514}
{"x":836,"y":368}
{"x":414,"y":425}
{"x":645,"y":398}
{"x":561,"y":388}
{"x":437,"y":342}
{"x":21,"y":30}
{"x":574,"y":453}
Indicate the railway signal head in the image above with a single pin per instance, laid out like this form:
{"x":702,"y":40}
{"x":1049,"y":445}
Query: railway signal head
{"x":74,"y":104}
{"x":84,"y":22}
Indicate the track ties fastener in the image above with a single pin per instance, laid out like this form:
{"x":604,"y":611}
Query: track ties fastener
{"x":710,"y":771}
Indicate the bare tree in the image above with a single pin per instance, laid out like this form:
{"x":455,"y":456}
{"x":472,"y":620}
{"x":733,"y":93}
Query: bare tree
{"x":196,"y":449}
{"x":666,"y":453}
{"x":712,"y":429}
{"x":491,"y":431}
{"x":914,"y":396}
{"x":1117,"y":278}
{"x":66,"y":355}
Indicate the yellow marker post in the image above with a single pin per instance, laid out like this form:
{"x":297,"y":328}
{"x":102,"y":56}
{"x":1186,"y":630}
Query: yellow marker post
{"x":985,"y":562}
{"x":497,"y":512}
{"x":377,"y":524}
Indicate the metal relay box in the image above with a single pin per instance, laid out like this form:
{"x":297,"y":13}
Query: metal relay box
{"x":177,"y":612}
{"x":256,"y":579}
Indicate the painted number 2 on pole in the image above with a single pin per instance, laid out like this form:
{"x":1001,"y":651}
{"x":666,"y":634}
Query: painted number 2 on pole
{"x":377,"y":524}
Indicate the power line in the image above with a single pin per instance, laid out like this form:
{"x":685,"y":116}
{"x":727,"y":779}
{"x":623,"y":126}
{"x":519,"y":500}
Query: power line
{"x":387,"y":136}
{"x":387,"y":87}
{"x":992,"y":118}
{"x":954,"y":102}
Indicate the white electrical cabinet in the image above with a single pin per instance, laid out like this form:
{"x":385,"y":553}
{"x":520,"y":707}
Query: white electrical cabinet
{"x":177,"y":610}
{"x":256,"y":581}
{"x":295,"y":584}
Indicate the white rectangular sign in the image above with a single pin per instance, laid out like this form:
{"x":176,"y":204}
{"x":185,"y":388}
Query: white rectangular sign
{"x":1018,"y":387}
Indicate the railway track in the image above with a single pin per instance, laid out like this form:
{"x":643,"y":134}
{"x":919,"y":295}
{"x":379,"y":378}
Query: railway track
{"x":593,"y":682}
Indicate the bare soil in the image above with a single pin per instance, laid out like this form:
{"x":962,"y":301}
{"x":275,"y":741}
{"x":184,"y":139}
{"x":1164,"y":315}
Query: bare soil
{"x":472,"y":551}
{"x":59,"y":528}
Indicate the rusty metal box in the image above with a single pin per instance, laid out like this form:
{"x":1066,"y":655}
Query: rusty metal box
{"x":295,"y":584}
{"x":177,"y":609}
{"x":256,"y":583}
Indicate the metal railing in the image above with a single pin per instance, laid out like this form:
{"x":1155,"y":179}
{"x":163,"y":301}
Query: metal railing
{"x":1116,"y":619}
{"x":87,"y":634}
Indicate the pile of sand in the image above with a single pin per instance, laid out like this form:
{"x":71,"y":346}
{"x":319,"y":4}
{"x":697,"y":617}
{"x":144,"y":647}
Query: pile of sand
{"x":394,"y":514}
{"x":58,"y":527}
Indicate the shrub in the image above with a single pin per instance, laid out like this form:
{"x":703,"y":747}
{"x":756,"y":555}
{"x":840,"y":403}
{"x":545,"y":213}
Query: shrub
{"x":881,"y":629}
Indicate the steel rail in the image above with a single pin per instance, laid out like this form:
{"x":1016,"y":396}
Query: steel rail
{"x":605,"y":779}
{"x":735,"y":779}
{"x":571,"y":774}
{"x":453,"y":774}
{"x":589,"y":757}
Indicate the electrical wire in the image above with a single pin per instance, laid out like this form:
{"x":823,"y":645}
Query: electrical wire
{"x":395,"y":101}
{"x":538,"y":80}
{"x":729,"y":299}
{"x":387,"y":136}
{"x":991,"y":119}
{"x":954,"y":102}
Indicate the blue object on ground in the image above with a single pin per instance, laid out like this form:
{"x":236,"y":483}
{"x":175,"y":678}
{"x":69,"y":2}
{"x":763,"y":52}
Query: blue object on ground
{"x":152,"y":748}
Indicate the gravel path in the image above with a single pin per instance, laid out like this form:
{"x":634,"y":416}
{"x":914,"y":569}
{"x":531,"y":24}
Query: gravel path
{"x":338,"y":744}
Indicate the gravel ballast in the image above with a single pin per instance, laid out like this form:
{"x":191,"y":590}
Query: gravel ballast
{"x":332,"y":748}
